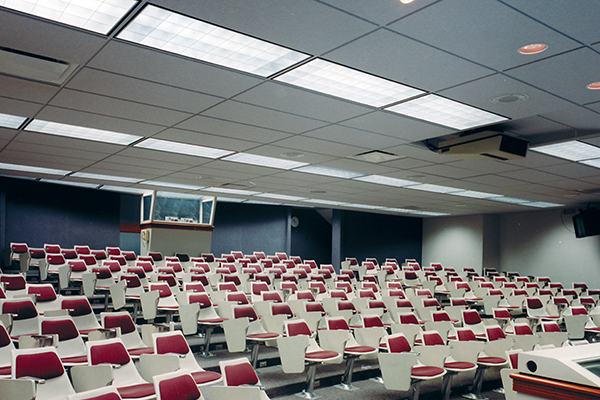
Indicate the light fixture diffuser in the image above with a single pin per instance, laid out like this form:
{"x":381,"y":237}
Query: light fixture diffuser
{"x":475,"y":194}
{"x":173,"y":185}
{"x":70,"y":183}
{"x":340,"y":81}
{"x":165,"y":30}
{"x":92,"y":15}
{"x":102,"y":177}
{"x":386,"y":180}
{"x":573,"y":151}
{"x":35,"y":170}
{"x":446,"y":112}
{"x":426,"y":187}
{"x":11,"y":121}
{"x":328,"y":171}
{"x":182,"y":148}
{"x":281,"y":197}
{"x":80,"y":132}
{"x":123,"y":189}
{"x":231,"y":191}
{"x":264,"y":161}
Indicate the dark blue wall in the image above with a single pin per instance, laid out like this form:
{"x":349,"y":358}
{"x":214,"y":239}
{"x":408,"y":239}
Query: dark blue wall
{"x":248,"y":228}
{"x":38,"y":213}
{"x":311,"y":240}
{"x":381,"y":236}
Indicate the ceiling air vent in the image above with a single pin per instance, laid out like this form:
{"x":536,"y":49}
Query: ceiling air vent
{"x":34,"y":67}
{"x":376,"y":156}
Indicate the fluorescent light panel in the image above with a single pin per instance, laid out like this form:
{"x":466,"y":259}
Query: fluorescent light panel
{"x":92,"y":15}
{"x":475,"y":194}
{"x":434,"y":188}
{"x":592,"y":163}
{"x":573,"y":151}
{"x":327,"y":202}
{"x":231,"y":191}
{"x":80,"y":132}
{"x":173,"y":185}
{"x":446,"y":112}
{"x":386,"y":180}
{"x":281,"y":197}
{"x":123,"y":189}
{"x":339,"y":81}
{"x":35,"y":170}
{"x":178,"y":195}
{"x":543,"y":204}
{"x":105,"y":177}
{"x":327,"y":171}
{"x":165,"y":30}
{"x":264,"y":161}
{"x":183,"y":148}
{"x":511,"y":200}
{"x":70,"y":183}
{"x":11,"y":121}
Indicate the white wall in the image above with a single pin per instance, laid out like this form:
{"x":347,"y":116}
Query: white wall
{"x":543,"y":243}
{"x":455,"y":242}
{"x":538,"y":243}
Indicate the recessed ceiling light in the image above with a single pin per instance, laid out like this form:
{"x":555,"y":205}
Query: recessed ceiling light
{"x":511,"y":200}
{"x":594,"y":86}
{"x":573,"y":150}
{"x":475,"y":194}
{"x":11,"y":121}
{"x":231,"y":200}
{"x":165,"y":30}
{"x":69,"y":183}
{"x":434,"y":188}
{"x":263,"y":161}
{"x":281,"y":196}
{"x":105,"y":177}
{"x":173,"y":185}
{"x":96,"y":16}
{"x":326,"y":202}
{"x":592,"y":163}
{"x":230,"y":191}
{"x":533,"y":48}
{"x":123,"y":189}
{"x":80,"y":132}
{"x":406,"y":1}
{"x":543,"y":204}
{"x":327,"y":171}
{"x":340,"y":81}
{"x":386,"y":180}
{"x":35,"y":170}
{"x":183,"y":148}
{"x":446,"y":112}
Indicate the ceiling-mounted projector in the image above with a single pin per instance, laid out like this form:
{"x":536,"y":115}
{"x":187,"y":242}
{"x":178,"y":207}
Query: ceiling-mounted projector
{"x":487,"y":145}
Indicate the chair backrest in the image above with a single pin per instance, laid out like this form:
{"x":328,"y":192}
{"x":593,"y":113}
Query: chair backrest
{"x":432,"y":338}
{"x":471,"y":317}
{"x":337,"y":323}
{"x":281,"y":309}
{"x":170,"y":343}
{"x":465,"y":335}
{"x":121,"y":319}
{"x":494,"y":332}
{"x":397,"y":343}
{"x":371,"y":321}
{"x":237,"y":297}
{"x":550,"y":326}
{"x":103,"y":393}
{"x":238,"y":372}
{"x":297,"y":327}
{"x":176,"y":386}
{"x":523,"y":329}
{"x":42,"y":363}
{"x":409,"y":318}
{"x":245,"y":311}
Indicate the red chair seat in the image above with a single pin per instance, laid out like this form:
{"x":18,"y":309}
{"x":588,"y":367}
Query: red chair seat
{"x":139,"y":351}
{"x":263,"y":336}
{"x":5,"y":371}
{"x":492,"y":360}
{"x":203,"y":377}
{"x":136,"y":391}
{"x":360,"y":349}
{"x":212,"y":321}
{"x":321,"y":355}
{"x":426,"y":371}
{"x":459,"y":365}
